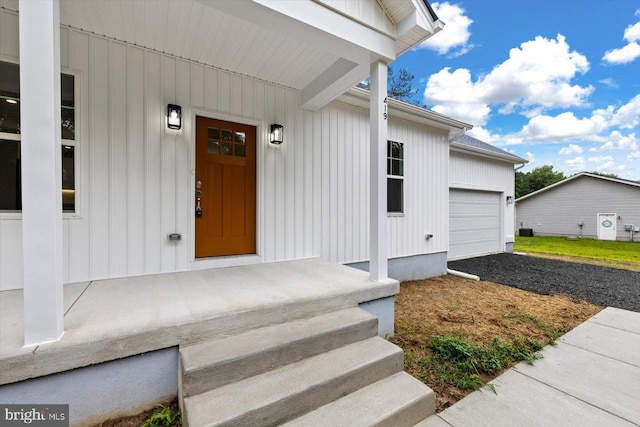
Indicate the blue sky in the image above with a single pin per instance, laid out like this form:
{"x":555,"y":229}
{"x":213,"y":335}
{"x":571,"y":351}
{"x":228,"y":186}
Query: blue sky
{"x":553,"y":81}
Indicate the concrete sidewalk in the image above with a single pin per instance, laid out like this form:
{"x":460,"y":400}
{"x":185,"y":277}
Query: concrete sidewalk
{"x":591,"y":378}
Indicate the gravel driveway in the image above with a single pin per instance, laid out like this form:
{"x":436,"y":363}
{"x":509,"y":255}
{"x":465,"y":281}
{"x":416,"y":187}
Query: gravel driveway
{"x":607,"y":287}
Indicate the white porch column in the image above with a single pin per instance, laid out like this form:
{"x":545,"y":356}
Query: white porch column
{"x":378,"y":172}
{"x":41,"y":170}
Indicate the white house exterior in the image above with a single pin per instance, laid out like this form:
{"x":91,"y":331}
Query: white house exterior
{"x":481,"y":194}
{"x":136,"y":192}
{"x":585,"y":204}
{"x":134,"y":178}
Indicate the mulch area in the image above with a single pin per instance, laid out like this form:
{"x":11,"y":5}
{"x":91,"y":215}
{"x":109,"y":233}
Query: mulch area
{"x":603,"y":286}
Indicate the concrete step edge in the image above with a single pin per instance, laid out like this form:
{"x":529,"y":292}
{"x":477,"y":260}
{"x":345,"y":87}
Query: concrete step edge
{"x":274,"y":397}
{"x":220,"y":362}
{"x":396,"y":401}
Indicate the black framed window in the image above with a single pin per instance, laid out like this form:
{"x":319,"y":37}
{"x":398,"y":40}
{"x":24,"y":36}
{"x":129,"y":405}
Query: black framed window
{"x":10,"y":164}
{"x":395,"y":177}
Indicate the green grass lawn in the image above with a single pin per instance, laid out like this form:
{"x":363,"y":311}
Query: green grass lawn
{"x":584,"y":248}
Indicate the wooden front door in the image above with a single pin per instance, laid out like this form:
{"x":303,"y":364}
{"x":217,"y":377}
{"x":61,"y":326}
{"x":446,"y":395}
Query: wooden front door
{"x":225,"y":188}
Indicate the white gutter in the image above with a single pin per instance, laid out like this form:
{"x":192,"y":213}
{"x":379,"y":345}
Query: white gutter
{"x":465,"y":275}
{"x":519,"y":167}
{"x":458,"y":135}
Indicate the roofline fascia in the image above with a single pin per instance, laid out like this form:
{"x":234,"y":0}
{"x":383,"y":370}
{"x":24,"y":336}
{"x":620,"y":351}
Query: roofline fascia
{"x":466,"y":149}
{"x":571,"y":178}
{"x":404,"y":110}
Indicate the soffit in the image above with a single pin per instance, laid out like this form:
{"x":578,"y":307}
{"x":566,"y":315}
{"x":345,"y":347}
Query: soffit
{"x":298,"y":44}
{"x":194,"y":31}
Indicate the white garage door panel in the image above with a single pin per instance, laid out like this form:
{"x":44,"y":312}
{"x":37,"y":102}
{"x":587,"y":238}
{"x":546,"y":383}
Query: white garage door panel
{"x":474,"y":223}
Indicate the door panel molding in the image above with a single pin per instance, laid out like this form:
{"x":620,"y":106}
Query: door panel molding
{"x":227,"y":199}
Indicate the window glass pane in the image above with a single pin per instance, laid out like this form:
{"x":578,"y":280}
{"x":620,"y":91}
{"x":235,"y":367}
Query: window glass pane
{"x":395,"y":158}
{"x":394,"y":195}
{"x":240,"y":150}
{"x":10,"y":101}
{"x":10,"y":179}
{"x":227,"y":148}
{"x":68,"y":179}
{"x":10,"y":183}
{"x":239,"y":137}
{"x":213,"y":147}
{"x":227,"y":135}
{"x":68,"y":106}
{"x":213,"y":133}
{"x":9,"y":98}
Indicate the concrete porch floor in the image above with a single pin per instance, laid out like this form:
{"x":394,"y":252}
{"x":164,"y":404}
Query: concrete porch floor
{"x":116,"y":318}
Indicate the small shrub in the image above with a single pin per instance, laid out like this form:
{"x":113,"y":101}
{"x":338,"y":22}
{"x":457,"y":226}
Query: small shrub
{"x":164,"y":417}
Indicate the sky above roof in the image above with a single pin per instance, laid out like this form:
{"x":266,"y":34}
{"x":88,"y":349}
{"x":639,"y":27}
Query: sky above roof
{"x":553,"y":81}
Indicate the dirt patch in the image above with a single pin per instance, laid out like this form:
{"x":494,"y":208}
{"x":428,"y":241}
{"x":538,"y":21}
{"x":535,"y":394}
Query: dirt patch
{"x":139,"y":419}
{"x":480,"y":311}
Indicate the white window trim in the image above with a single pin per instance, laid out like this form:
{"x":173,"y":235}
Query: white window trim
{"x":398,"y":177}
{"x":74,"y":143}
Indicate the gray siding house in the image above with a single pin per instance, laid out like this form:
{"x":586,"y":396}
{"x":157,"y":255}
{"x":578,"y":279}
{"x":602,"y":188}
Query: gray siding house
{"x":586,"y":205}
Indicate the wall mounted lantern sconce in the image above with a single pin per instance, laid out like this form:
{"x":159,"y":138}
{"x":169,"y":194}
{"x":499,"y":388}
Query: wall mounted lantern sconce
{"x":174,"y":116}
{"x":509,"y":200}
{"x":277,"y":134}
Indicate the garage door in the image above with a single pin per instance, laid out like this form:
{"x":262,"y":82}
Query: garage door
{"x":474,"y":223}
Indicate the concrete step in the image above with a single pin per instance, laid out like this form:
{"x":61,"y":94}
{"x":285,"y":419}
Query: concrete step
{"x":277,"y":396}
{"x":397,"y":401}
{"x":216,"y":363}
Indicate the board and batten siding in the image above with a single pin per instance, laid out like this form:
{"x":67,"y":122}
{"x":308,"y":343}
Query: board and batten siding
{"x":366,"y":11}
{"x":558,"y":210}
{"x":135,"y":186}
{"x":472,"y":172}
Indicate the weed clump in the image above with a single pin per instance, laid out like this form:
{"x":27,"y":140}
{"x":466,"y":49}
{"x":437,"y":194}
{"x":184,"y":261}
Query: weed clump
{"x":459,"y":362}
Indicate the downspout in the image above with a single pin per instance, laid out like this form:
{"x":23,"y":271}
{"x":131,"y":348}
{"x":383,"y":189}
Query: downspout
{"x":461,"y":274}
{"x":457,"y":136}
{"x":519,"y":167}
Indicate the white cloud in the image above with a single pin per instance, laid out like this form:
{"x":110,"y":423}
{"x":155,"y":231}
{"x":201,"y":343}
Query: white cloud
{"x":630,"y":51}
{"x":602,"y":164}
{"x":531,"y":157}
{"x":628,"y":116}
{"x":618,"y":142}
{"x":634,"y":155}
{"x":536,"y":76}
{"x":609,"y":82}
{"x":624,"y":55}
{"x":576,"y":164}
{"x":599,"y":159}
{"x":567,"y":127}
{"x":561,"y":127}
{"x":571,"y":149}
{"x":454,"y":38}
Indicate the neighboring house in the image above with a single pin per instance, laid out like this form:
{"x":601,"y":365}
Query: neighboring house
{"x":481,"y":194}
{"x":586,"y":205}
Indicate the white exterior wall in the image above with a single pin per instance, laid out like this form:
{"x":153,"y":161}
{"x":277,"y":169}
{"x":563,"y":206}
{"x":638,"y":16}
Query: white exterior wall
{"x":366,"y":11}
{"x":134,"y":179}
{"x":478,"y":173}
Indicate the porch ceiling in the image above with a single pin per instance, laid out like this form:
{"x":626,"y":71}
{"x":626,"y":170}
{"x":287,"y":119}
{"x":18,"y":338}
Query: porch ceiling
{"x":302,"y":45}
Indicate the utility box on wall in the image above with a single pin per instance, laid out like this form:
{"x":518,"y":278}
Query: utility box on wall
{"x":628,"y":227}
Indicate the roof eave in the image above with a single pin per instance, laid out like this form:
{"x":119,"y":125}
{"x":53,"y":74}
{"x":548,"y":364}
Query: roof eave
{"x":405,"y":110}
{"x":571,"y":178}
{"x":463,"y":148}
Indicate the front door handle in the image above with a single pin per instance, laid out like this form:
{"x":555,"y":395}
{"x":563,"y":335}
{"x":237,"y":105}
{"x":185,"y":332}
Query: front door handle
{"x":198,"y":195}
